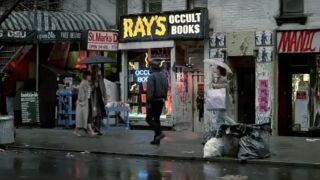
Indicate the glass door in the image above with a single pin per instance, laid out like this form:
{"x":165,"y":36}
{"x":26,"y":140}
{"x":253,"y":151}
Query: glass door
{"x":300,"y":102}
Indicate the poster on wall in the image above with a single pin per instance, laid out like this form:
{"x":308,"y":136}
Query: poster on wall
{"x":264,"y":38}
{"x":263,"y":98}
{"x":218,"y":40}
{"x":216,"y":53}
{"x":265,"y":54}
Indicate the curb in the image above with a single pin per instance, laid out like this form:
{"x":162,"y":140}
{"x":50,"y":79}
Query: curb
{"x":181,"y":158}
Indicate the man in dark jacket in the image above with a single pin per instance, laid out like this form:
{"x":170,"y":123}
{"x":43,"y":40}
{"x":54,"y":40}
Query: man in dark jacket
{"x":9,"y":90}
{"x":100,"y":98}
{"x":157,"y":88}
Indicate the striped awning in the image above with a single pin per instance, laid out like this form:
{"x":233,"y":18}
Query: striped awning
{"x":42,"y":22}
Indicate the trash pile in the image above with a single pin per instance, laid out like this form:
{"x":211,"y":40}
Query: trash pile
{"x":239,"y":140}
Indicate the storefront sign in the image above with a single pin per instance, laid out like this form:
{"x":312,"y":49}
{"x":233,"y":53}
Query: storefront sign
{"x":102,"y":41}
{"x":11,"y":35}
{"x":30,"y":107}
{"x":191,"y":24}
{"x":142,"y":75}
{"x":41,"y":36}
{"x":53,"y":36}
{"x":306,"y":41}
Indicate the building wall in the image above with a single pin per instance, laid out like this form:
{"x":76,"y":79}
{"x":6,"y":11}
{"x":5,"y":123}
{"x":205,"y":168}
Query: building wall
{"x":247,"y":15}
{"x":239,"y":20}
{"x":243,"y":15}
{"x":135,"y":6}
{"x":174,"y":5}
{"x":105,"y":8}
{"x":234,"y":16}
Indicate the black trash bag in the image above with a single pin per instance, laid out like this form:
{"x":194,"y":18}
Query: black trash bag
{"x":255,"y":145}
{"x":230,"y":146}
{"x":238,"y":130}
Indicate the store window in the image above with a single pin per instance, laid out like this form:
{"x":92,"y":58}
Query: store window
{"x":152,"y":6}
{"x":192,"y":4}
{"x":291,"y":7}
{"x":137,"y":81}
{"x":291,"y":11}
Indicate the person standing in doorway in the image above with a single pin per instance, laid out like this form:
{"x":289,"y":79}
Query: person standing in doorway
{"x":99,"y":99}
{"x":157,"y":89}
{"x":9,"y":83}
{"x":84,"y":118}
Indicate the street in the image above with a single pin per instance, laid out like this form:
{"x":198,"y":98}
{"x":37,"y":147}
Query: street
{"x":18,"y":164}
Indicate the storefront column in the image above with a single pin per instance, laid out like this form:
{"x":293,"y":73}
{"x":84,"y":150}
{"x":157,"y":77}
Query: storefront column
{"x":124,"y":76}
{"x":173,"y":84}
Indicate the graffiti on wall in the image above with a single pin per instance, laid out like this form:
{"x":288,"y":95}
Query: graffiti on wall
{"x":306,"y":41}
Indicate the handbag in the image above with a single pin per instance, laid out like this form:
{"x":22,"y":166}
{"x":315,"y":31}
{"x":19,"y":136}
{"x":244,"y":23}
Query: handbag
{"x":216,"y":99}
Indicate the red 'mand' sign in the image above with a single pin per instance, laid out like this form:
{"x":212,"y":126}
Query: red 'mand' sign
{"x":305,"y":41}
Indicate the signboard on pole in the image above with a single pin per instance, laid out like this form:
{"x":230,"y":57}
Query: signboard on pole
{"x":102,"y":41}
{"x":30,"y":107}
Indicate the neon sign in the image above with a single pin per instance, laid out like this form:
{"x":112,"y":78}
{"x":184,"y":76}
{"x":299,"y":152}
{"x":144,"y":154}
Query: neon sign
{"x":142,"y":75}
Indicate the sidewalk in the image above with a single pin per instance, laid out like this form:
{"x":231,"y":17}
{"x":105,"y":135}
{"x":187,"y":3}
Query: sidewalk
{"x":176,"y":145}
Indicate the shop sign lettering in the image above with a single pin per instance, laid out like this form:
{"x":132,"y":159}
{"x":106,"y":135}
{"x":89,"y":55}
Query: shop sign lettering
{"x":165,"y":26}
{"x":307,"y":41}
{"x":70,"y":35}
{"x":102,"y":41}
{"x":47,"y":35}
{"x":142,"y":75}
{"x":13,"y":34}
{"x":144,"y":26}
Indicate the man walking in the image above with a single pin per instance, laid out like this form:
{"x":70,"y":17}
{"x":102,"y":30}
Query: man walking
{"x":100,"y":98}
{"x":157,"y":88}
{"x":9,"y":90}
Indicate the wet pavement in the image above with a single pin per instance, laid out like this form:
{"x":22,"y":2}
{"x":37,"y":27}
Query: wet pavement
{"x":176,"y":145}
{"x":47,"y":165}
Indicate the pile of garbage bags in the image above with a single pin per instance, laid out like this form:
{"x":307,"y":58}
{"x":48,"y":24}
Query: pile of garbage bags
{"x":240,"y":140}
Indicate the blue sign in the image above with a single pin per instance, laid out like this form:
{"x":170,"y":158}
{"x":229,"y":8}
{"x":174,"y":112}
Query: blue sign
{"x":142,"y":75}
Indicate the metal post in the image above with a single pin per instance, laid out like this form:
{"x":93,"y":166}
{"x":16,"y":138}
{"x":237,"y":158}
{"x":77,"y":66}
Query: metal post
{"x":173,"y":85}
{"x":37,"y":68}
{"x":124,"y":77}
{"x":88,"y":5}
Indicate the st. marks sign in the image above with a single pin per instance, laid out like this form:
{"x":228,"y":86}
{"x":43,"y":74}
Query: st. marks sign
{"x":185,"y":25}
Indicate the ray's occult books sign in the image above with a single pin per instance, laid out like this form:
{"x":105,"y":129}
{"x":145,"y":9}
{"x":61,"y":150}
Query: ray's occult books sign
{"x":187,"y":25}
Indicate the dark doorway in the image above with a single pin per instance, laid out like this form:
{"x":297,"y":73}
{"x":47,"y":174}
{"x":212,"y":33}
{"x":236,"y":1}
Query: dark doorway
{"x":246,"y":95}
{"x":245,"y":73}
